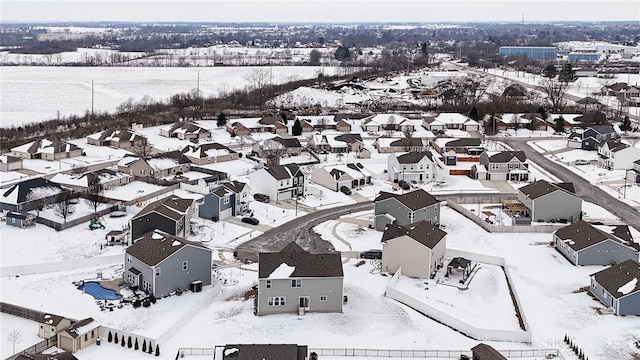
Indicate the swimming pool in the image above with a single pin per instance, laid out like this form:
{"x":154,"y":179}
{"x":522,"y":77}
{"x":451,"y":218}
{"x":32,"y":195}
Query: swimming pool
{"x":98,"y":292}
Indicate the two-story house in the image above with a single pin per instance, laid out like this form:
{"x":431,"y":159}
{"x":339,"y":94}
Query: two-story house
{"x":616,"y":155}
{"x":335,"y":177}
{"x":618,"y":287}
{"x":633,"y":175}
{"x":160,"y":263}
{"x":117,"y":139}
{"x":280,"y":182}
{"x":412,"y":166}
{"x":593,"y":137}
{"x":418,"y":248}
{"x":404,"y":209}
{"x":296,"y":281}
{"x":505,"y":165}
{"x":550,"y":202}
{"x":171,"y":215}
{"x":224,"y":200}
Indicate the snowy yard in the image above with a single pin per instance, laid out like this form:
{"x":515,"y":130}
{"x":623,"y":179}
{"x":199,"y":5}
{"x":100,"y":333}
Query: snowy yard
{"x":28,"y":330}
{"x":132,"y":190}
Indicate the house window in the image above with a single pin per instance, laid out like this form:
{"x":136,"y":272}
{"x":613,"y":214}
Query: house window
{"x":146,"y":285}
{"x":323,"y":297}
{"x":295,"y":181}
{"x":276,"y":301}
{"x":86,"y":337}
{"x":157,"y":271}
{"x":128,"y":258}
{"x":412,"y":216}
{"x":296,"y":283}
{"x":226,"y":199}
{"x":93,"y":334}
{"x":267,"y":284}
{"x":185,"y":265}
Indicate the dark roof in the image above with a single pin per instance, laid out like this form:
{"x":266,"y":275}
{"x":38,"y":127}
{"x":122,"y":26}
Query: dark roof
{"x":305,"y":264}
{"x":65,"y":355}
{"x":618,"y":275}
{"x":173,"y":207}
{"x":581,"y":235}
{"x":291,"y":142}
{"x":463,"y":142}
{"x":414,"y":200}
{"x":134,"y":271}
{"x":349,"y":138}
{"x":506,"y":156}
{"x":542,"y":187}
{"x":281,"y":172}
{"x":602,"y":129}
{"x":459,"y":262}
{"x":235,"y":186}
{"x":515,"y":90}
{"x":201,"y":149}
{"x":355,"y":166}
{"x":594,"y":118}
{"x":413,"y":157}
{"x":265,"y":352}
{"x":24,"y":187}
{"x":176,"y":155}
{"x":615,"y":146}
{"x":220,"y":191}
{"x":486,"y":352}
{"x":157,"y":245}
{"x":18,"y":215}
{"x":423,"y":232}
{"x":51,"y":319}
{"x":407,"y":142}
{"x":73,"y":329}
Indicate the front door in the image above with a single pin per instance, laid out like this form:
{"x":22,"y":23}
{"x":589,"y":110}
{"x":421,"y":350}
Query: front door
{"x":303,"y":302}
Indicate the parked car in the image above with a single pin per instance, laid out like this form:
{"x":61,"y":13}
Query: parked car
{"x":250,"y":220}
{"x":345,"y":190}
{"x":404,"y":185}
{"x":194,"y":140}
{"x":371,"y":254}
{"x":261,"y":197}
{"x":582,"y":162}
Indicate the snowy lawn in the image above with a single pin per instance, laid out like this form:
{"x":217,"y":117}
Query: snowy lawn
{"x":79,"y":209}
{"x":28,"y":331}
{"x":132,"y":190}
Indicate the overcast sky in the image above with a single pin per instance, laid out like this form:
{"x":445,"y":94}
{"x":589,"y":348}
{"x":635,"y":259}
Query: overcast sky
{"x":319,"y":11}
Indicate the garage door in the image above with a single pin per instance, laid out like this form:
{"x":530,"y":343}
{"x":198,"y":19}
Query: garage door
{"x":66,"y":343}
{"x":226,"y":213}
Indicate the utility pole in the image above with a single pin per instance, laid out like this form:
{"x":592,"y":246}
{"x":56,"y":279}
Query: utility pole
{"x":92,"y":97}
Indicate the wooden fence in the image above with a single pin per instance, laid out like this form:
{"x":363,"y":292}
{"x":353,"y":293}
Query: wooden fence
{"x":73,"y":222}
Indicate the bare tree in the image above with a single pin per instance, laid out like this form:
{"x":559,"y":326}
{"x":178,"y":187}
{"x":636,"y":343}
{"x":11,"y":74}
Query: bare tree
{"x":273,"y":151}
{"x":94,"y":193}
{"x":142,"y":149}
{"x":128,"y":110}
{"x":555,"y":91}
{"x":78,"y":169}
{"x":65,"y":206}
{"x":32,"y":197}
{"x":408,"y":131}
{"x":15,"y":336}
{"x":260,"y":80}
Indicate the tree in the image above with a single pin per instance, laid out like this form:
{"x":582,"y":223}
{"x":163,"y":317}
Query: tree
{"x":549,"y":71}
{"x":94,"y":191}
{"x":222,"y":120}
{"x":142,"y":149}
{"x":135,"y":346}
{"x":473,"y":114}
{"x":543,"y":112}
{"x":559,"y":125}
{"x":555,"y":91}
{"x":128,"y":110}
{"x":115,"y":338}
{"x":342,"y":53}
{"x":144,"y":345}
{"x":110,"y":337}
{"x":283,"y":116}
{"x":65,"y":206}
{"x":122,"y":342}
{"x":296,"y":129}
{"x":567,"y":74}
{"x":157,"y":350}
{"x":129,"y":342}
{"x":626,"y":124}
{"x":408,"y":131}
{"x":314,"y":57}
{"x":15,"y":336}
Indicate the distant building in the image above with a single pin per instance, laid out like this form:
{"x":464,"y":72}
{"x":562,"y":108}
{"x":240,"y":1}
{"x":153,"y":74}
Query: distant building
{"x":618,"y":287}
{"x":10,"y":163}
{"x":532,"y":52}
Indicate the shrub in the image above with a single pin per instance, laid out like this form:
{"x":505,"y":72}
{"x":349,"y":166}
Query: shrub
{"x":144,"y":345}
{"x":110,"y":337}
{"x":146,"y":303}
{"x":137,"y":303}
{"x":115,"y":338}
{"x":122,"y":342}
{"x":129,"y":343}
{"x":135,"y":346}
{"x":157,"y":350}
{"x":152,"y":298}
{"x":150,"y":350}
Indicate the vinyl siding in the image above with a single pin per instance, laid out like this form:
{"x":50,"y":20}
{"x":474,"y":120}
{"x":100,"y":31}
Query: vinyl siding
{"x":556,"y":205}
{"x":394,"y":208}
{"x":311,"y":287}
{"x":172,"y":276}
{"x":151,"y":221}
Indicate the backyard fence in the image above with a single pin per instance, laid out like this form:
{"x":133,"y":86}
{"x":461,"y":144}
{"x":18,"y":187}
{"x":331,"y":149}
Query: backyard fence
{"x":119,"y":337}
{"x":143,"y":198}
{"x":37,"y":348}
{"x":73,"y":222}
{"x":23,"y":312}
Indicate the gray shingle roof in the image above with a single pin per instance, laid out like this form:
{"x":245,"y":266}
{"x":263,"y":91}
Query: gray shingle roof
{"x":413,"y":157}
{"x":463,"y":142}
{"x":157,"y":245}
{"x":287,"y":142}
{"x":423,"y":232}
{"x":583,"y":235}
{"x":172,"y":207}
{"x":542,"y":187}
{"x":265,"y":352}
{"x":51,"y":319}
{"x":349,"y":138}
{"x":506,"y":156}
{"x":281,"y":172}
{"x":407,"y":142}
{"x":306,"y":264}
{"x":73,"y":329}
{"x":486,"y":352}
{"x":235,"y":186}
{"x":617,"y":276}
{"x":414,"y":200}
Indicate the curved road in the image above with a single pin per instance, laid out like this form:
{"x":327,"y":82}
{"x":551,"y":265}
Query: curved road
{"x":585,"y":190}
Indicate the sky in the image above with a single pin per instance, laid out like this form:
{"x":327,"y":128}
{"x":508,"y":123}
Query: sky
{"x":318,"y":11}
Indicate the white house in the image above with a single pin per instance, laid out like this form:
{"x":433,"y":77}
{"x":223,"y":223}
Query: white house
{"x":280,"y":182}
{"x":451,"y":121}
{"x":335,"y":177}
{"x":616,"y":155}
{"x":418,"y":248}
{"x":412,"y":166}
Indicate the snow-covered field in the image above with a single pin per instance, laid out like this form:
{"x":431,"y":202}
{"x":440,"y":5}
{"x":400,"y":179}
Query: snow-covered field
{"x":37,"y":93}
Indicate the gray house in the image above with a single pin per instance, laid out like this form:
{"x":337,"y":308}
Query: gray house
{"x":618,"y":287}
{"x":583,"y":244}
{"x":404,"y":209}
{"x":295,"y":281}
{"x":31,"y":194}
{"x":160,"y":263}
{"x":218,"y":204}
{"x":265,"y":351}
{"x":550,"y":202}
{"x":505,"y":165}
{"x":20,"y":219}
{"x":171,"y":215}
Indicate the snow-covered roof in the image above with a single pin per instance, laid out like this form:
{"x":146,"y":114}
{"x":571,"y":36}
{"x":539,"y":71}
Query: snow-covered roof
{"x":127,"y":160}
{"x":454,"y":118}
{"x":281,"y":272}
{"x":159,"y":164}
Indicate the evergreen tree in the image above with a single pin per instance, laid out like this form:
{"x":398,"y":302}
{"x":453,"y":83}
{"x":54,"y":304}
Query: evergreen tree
{"x":559,"y":125}
{"x":626,"y":124}
{"x":567,"y":74}
{"x":342,"y":53}
{"x":549,"y":71}
{"x":122,"y":342}
{"x":129,"y":343}
{"x":222,"y":120}
{"x":474,"y":113}
{"x":115,"y":338}
{"x":296,"y":129}
{"x":283,"y":116}
{"x":110,"y":337}
{"x":135,"y":346}
{"x":150,"y":350}
{"x":144,"y":345}
{"x":543,"y":112}
{"x":157,"y":350}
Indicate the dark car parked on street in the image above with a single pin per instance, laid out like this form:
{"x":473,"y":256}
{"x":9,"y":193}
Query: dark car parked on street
{"x":371,"y":254}
{"x":250,"y":220}
{"x":261,"y":197}
{"x":345,"y":190}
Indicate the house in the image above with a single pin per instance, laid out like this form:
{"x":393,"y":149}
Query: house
{"x":493,"y":124}
{"x":20,"y":219}
{"x":277,"y":146}
{"x":160,"y":263}
{"x":49,"y":325}
{"x":30,"y":194}
{"x":264,"y":352}
{"x":550,"y":202}
{"x":505,"y":165}
{"x":10,"y":163}
{"x":46,"y":150}
{"x":450,"y":121}
{"x":595,"y":135}
{"x":569,"y":123}
{"x":185,"y":130}
{"x":386,"y":122}
{"x":280,"y":182}
{"x":241,"y":191}
{"x":633,"y":175}
{"x":171,"y":215}
{"x":105,"y":178}
{"x":618,"y":287}
{"x":336,"y":142}
{"x":246,"y":126}
{"x":79,"y":335}
{"x":417,"y":248}
{"x":117,"y":139}
{"x":218,"y":204}
{"x":159,"y":165}
{"x":390,"y":145}
{"x":622,"y":90}
{"x":615,"y":155}
{"x":296,"y":281}
{"x":584,"y":244}
{"x":61,"y":355}
{"x":535,"y":121}
{"x":335,"y":177}
{"x":469,"y":146}
{"x":405,"y":209}
{"x":319,"y":123}
{"x":412,"y":166}
{"x":485,"y":352}
{"x":209,"y":153}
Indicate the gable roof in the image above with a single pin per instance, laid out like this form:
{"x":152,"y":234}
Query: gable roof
{"x":40,"y":187}
{"x":486,"y":352}
{"x":407,"y":142}
{"x":581,"y":235}
{"x":173,"y":207}
{"x":349,"y":138}
{"x":414,"y":157}
{"x":615,"y":146}
{"x":305,"y":263}
{"x":157,"y":245}
{"x":51,"y":319}
{"x":423,"y":232}
{"x":463,"y":142}
{"x":265,"y":352}
{"x":81,"y":327}
{"x":619,"y":278}
{"x":289,"y":142}
{"x":281,"y":172}
{"x":235,"y":186}
{"x":414,"y":200}
{"x":46,"y":146}
{"x":506,"y":156}
{"x":602,"y":129}
{"x":206,"y":150}
{"x":542,"y":187}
